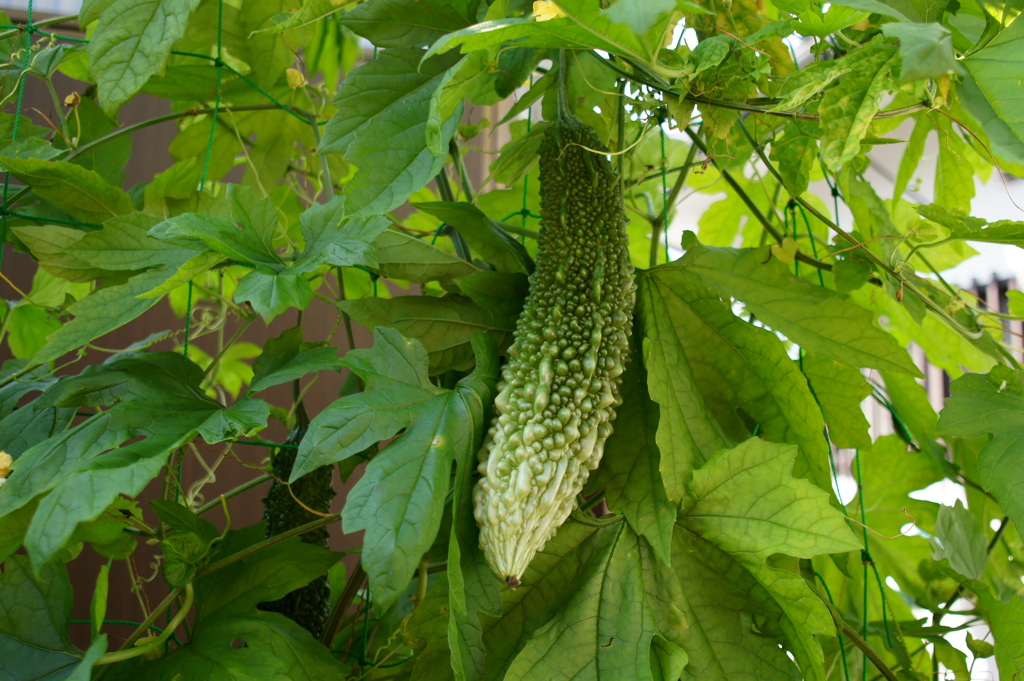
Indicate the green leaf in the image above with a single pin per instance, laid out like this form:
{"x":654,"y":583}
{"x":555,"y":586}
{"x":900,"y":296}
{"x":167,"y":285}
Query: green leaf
{"x":103,"y":311}
{"x":811,"y":316}
{"x":124,"y":244}
{"x":81,"y":471}
{"x":274,"y":646}
{"x":405,"y":23}
{"x":287,"y":358}
{"x":473,"y":587}
{"x":839,"y":390}
{"x":34,"y":617}
{"x":954,"y":175}
{"x":520,"y":155}
{"x":629,"y":471}
{"x":333,"y":240}
{"x":687,"y":433}
{"x":993,"y":403}
{"x":29,"y":147}
{"x":189,"y":270}
{"x":911,"y":156}
{"x":847,"y":108}
{"x":926,"y":50}
{"x":590,"y":607}
{"x":1007,"y":623}
{"x":49,"y":244}
{"x":747,"y":503}
{"x":959,"y":539}
{"x":383,"y":131}
{"x":1005,"y":142}
{"x":642,"y":15}
{"x":484,"y":235}
{"x":503,"y":293}
{"x":445,"y":326}
{"x":79,"y":192}
{"x":997,"y":70}
{"x":583,"y":26}
{"x":962,"y":226}
{"x":28,"y":326}
{"x":193,"y":231}
{"x":794,"y":155}
{"x":132,"y":43}
{"x":401,"y":256}
{"x":744,"y":373}
{"x":397,"y":388}
{"x":273,"y":294}
{"x":400,"y":498}
{"x":822,"y":25}
{"x":264,"y":576}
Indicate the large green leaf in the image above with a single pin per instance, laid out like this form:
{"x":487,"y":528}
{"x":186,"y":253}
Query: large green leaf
{"x":589,"y":607}
{"x":401,"y":256}
{"x":962,"y":226}
{"x":582,"y":26}
{"x":1007,"y":622}
{"x":747,"y":503}
{"x":272,"y":294}
{"x":997,"y":71}
{"x":407,"y":23}
{"x":383,"y":131}
{"x":124,"y":244}
{"x":445,"y":326}
{"x":105,"y":310}
{"x":132,"y":43}
{"x":34,"y":613}
{"x":485,"y":236}
{"x":333,"y":240}
{"x":79,"y":192}
{"x":839,"y":390}
{"x":687,"y":433}
{"x":50,"y":246}
{"x":79,"y":472}
{"x":959,"y":539}
{"x":811,"y":316}
{"x":400,"y":497}
{"x":629,"y":471}
{"x":743,"y":372}
{"x":983,"y":404}
{"x":926,"y":50}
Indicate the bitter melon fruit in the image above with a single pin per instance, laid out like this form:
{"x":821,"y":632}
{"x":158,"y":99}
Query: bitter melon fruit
{"x":559,"y":387}
{"x":308,"y":606}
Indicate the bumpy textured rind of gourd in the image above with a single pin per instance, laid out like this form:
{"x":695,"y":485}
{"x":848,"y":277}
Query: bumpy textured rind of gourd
{"x":560,"y":386}
{"x":308,"y":606}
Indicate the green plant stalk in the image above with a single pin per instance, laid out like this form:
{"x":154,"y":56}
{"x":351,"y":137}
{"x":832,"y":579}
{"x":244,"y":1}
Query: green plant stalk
{"x":355,"y":581}
{"x":928,"y":302}
{"x":210,"y":372}
{"x":346,"y":320}
{"x":150,"y":620}
{"x":245,"y":487}
{"x":158,"y":642}
{"x":267,"y":543}
{"x":865,"y":648}
{"x":754,"y":210}
{"x":456,"y":154}
{"x":659,"y":222}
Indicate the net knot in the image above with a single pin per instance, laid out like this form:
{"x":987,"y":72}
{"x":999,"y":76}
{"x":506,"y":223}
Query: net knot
{"x":865,"y":557}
